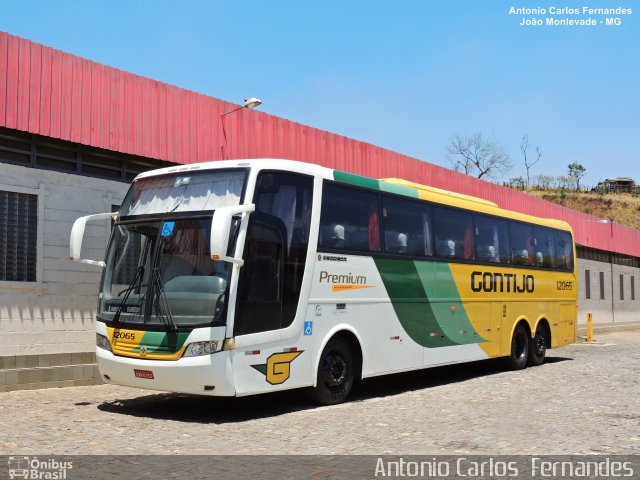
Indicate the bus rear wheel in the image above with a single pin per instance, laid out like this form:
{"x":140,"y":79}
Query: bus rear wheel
{"x":538,"y":347}
{"x":519,"y":356}
{"x":335,"y":373}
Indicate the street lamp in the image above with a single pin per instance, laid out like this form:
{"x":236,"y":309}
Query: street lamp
{"x":250,"y":103}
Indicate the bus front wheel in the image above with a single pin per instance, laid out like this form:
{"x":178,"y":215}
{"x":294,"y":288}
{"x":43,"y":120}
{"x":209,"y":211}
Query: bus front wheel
{"x":335,"y":373}
{"x":519,"y":356}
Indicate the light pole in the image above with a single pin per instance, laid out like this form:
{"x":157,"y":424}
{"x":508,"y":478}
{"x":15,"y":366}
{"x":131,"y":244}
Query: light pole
{"x":251,"y":102}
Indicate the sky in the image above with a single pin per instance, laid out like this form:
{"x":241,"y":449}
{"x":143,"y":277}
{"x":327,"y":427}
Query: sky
{"x":404,"y":75}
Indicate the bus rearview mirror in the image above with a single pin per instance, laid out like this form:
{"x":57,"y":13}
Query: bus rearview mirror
{"x":221,"y":228}
{"x":77,"y":234}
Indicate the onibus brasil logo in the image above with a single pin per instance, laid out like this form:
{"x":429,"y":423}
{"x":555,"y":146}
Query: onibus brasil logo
{"x":278,"y":367}
{"x":33,"y":468}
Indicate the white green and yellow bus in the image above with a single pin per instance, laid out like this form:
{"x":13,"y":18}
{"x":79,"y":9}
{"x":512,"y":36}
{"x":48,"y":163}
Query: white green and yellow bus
{"x":234,"y":278}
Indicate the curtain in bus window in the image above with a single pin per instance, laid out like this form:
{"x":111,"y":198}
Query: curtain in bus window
{"x":426,"y":233}
{"x":496,"y":244}
{"x":468,"y":240}
{"x":203,"y":194}
{"x":186,"y":250}
{"x":374,"y":229}
{"x":284,"y":207}
{"x":185,"y":193}
{"x":530,"y":246}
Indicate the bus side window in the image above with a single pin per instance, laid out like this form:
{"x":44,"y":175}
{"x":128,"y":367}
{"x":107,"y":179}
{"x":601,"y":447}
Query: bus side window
{"x":521,"y":239}
{"x":454,"y":233}
{"x":492,"y":239}
{"x":406,"y":225}
{"x":260,"y":298}
{"x":544,"y":248}
{"x":563,"y":250}
{"x":349,"y":219}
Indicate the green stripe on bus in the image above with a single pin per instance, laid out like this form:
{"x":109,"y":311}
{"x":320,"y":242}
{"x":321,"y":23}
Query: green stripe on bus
{"x":373,"y":184}
{"x":357,"y":180}
{"x":162,"y":342}
{"x":430,"y":324}
{"x":452,"y":322}
{"x":410,"y":303}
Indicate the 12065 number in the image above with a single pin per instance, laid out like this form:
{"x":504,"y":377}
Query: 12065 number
{"x":560,"y":285}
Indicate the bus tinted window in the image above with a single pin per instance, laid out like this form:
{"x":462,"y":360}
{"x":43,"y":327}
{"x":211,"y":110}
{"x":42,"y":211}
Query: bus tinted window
{"x":563,"y":250}
{"x":350,"y":219}
{"x":544,"y":248}
{"x":492,"y":240}
{"x":454,"y":233}
{"x":407,"y":227}
{"x":521,"y":237}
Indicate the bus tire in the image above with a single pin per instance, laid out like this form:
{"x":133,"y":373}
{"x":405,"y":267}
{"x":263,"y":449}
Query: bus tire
{"x":335,"y":373}
{"x":519,"y":356}
{"x":538,"y":347}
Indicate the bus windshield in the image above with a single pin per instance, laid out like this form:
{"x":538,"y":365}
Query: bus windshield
{"x":161,"y":272}
{"x":184,"y":192}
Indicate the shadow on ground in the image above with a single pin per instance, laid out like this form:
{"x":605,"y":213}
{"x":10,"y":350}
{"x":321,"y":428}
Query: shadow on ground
{"x":219,"y":410}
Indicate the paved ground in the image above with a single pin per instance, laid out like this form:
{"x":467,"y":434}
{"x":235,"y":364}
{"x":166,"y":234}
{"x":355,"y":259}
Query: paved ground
{"x":585,"y":399}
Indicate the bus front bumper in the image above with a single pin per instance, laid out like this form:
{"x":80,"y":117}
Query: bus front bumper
{"x":203,"y":375}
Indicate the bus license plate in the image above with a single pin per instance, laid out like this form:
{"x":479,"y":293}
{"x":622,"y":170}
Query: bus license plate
{"x":143,"y":373}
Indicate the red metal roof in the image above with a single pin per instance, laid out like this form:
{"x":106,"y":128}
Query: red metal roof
{"x":48,"y":92}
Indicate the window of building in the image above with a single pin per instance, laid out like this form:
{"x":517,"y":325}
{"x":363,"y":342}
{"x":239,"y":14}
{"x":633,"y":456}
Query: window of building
{"x":18,"y":236}
{"x":601,"y":285}
{"x":406,"y":227}
{"x":350,"y":219}
{"x":633,"y":287}
{"x":587,"y":284}
{"x":37,"y":151}
{"x":621,"y":287}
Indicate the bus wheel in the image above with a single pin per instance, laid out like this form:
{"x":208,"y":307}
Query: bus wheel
{"x":538,"y":347}
{"x":519,"y":356}
{"x":335,"y":373}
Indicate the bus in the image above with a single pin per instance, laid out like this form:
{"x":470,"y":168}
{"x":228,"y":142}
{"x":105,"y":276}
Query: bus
{"x":233,"y":278}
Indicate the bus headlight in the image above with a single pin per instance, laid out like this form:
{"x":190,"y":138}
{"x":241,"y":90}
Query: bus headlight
{"x":103,"y":342}
{"x":201,"y":348}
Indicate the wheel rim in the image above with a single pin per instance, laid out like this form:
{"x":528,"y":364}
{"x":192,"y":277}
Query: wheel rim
{"x":539,"y":344}
{"x":520,"y":347}
{"x":335,"y":370}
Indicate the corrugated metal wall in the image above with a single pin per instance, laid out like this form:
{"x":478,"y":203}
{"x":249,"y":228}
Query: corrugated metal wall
{"x":48,"y":92}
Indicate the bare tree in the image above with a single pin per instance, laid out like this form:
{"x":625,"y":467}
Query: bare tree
{"x":477,"y":155}
{"x":528,"y":163}
{"x":545,"y":181}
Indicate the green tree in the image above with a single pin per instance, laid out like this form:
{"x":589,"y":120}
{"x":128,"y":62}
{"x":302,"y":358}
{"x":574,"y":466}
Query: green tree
{"x":577,"y":171}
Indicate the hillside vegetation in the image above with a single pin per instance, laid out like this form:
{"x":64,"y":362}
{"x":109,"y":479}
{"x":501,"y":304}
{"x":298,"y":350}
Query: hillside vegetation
{"x":622,"y":208}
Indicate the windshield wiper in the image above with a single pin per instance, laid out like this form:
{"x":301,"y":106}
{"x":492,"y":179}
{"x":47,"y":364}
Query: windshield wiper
{"x":160,"y":300}
{"x":127,"y":292}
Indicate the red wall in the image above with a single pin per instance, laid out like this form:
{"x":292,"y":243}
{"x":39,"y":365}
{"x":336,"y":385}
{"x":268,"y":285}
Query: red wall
{"x":51,"y":93}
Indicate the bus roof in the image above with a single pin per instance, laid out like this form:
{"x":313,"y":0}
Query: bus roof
{"x":390,"y":185}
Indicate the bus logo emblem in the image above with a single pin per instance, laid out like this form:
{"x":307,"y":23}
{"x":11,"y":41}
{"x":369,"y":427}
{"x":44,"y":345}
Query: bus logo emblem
{"x":278,"y":367}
